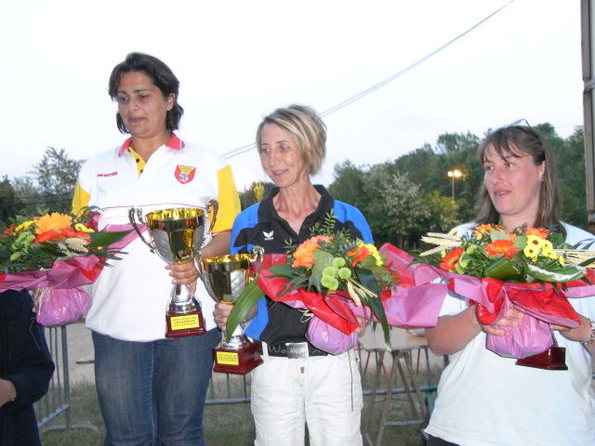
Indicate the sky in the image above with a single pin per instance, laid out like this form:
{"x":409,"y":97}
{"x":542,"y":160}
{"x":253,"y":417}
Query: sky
{"x":238,"y":60}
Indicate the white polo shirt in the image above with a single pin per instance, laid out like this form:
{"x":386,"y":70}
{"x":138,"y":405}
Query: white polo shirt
{"x":131,"y":296}
{"x":486,"y":400}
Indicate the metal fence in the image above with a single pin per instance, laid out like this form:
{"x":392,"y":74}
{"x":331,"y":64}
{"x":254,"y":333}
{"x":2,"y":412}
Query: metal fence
{"x":57,"y":401}
{"x":224,"y":388}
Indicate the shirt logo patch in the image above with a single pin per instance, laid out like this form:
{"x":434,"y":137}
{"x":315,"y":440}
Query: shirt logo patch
{"x":268,"y":235}
{"x":185,"y":174}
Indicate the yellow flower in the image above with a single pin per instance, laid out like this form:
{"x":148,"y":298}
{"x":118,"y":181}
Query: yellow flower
{"x":52,"y":222}
{"x":374,"y":252}
{"x":24,"y":226}
{"x":561,"y":260}
{"x":536,"y":242}
{"x":82,"y":228}
{"x":531,"y":252}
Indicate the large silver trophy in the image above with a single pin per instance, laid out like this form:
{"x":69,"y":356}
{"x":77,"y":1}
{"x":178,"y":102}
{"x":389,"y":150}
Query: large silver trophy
{"x":225,"y":277}
{"x":177,"y":235}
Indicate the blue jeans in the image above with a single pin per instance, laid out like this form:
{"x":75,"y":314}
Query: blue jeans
{"x":153,"y":393}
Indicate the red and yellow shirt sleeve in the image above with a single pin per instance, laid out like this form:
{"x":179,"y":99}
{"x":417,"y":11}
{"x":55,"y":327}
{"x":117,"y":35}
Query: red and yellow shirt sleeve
{"x":80,"y":198}
{"x":229,"y":200}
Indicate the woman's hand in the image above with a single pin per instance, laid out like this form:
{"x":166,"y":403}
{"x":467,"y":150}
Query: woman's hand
{"x":453,"y":332}
{"x":221,"y":314}
{"x":184,"y":273}
{"x":510,"y":319}
{"x":8,"y":392}
{"x":582,"y":333}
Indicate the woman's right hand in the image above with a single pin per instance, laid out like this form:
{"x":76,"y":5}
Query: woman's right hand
{"x":510,"y":319}
{"x":221,"y":314}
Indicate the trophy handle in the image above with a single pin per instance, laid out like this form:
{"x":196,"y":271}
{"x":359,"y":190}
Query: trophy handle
{"x":258,"y":252}
{"x":212,"y":211}
{"x":133,"y":215}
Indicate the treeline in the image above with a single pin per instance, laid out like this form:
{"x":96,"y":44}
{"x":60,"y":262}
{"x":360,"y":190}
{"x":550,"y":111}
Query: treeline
{"x":405,"y":198}
{"x":49,"y":185}
{"x":402,"y":199}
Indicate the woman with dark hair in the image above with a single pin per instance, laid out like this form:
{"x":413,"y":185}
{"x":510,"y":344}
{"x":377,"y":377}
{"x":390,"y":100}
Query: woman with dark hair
{"x":25,"y":369}
{"x":297,"y":384}
{"x":486,"y":399}
{"x":151,"y":389}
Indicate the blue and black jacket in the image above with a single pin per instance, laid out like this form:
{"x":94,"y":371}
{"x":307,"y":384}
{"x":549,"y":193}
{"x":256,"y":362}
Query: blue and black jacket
{"x":260,"y":225}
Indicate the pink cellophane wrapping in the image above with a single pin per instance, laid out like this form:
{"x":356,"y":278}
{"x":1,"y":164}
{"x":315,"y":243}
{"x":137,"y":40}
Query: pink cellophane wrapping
{"x":543,"y":304}
{"x":415,"y":303}
{"x":61,"y":306}
{"x":64,"y":301}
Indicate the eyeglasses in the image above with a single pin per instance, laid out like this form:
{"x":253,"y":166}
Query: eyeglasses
{"x":517,"y":122}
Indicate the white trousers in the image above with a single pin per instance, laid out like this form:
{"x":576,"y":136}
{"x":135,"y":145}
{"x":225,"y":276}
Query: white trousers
{"x":323,"y":391}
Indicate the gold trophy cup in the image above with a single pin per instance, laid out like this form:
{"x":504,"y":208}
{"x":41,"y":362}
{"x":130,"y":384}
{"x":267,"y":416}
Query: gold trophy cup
{"x":225,"y":277}
{"x":177,"y":235}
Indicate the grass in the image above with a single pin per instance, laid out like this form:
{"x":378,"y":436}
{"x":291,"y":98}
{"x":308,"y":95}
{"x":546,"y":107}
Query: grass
{"x":225,"y":424}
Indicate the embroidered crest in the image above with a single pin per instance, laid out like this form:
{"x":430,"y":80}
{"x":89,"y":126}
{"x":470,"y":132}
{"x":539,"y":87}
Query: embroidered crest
{"x":185,"y":174}
{"x":268,"y":235}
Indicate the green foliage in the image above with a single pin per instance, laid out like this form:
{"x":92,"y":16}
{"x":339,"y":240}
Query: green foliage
{"x":9,"y":202}
{"x":249,"y":196}
{"x":349,"y":185}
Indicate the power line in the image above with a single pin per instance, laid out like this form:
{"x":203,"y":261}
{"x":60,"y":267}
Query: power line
{"x":386,"y":81}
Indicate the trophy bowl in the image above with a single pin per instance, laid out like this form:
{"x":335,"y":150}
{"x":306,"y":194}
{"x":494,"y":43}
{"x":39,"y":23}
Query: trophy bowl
{"x":177,"y":235}
{"x":225,"y":277}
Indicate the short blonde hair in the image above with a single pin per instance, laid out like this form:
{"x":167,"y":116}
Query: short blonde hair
{"x":306,"y":127}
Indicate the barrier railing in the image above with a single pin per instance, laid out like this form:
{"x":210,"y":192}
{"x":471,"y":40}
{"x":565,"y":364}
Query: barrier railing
{"x":57,"y":401}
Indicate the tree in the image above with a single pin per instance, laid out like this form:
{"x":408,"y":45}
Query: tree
{"x":348,"y":185}
{"x":29,"y":195}
{"x":56,"y":176}
{"x":395,"y":205}
{"x":9,"y":202}
{"x":570,"y":156}
{"x":452,"y":143}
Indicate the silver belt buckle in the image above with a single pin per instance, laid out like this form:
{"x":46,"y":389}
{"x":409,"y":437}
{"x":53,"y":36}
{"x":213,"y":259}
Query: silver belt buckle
{"x":297,"y":350}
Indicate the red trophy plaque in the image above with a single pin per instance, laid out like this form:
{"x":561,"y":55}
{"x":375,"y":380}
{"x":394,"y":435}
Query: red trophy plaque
{"x":225,"y":278}
{"x":177,"y":235}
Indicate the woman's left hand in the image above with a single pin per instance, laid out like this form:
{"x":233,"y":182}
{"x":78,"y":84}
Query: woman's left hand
{"x":582,"y":333}
{"x":184,"y":273}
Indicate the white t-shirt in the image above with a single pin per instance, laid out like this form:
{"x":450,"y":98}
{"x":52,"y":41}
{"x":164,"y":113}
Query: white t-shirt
{"x":131,"y":296}
{"x":485,"y":399}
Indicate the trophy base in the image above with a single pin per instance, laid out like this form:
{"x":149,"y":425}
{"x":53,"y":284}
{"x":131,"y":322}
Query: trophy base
{"x":239,"y":361}
{"x":553,"y":358}
{"x":179,"y":325}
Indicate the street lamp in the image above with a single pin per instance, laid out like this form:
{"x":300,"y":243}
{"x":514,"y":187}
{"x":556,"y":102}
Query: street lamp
{"x":455,"y":173}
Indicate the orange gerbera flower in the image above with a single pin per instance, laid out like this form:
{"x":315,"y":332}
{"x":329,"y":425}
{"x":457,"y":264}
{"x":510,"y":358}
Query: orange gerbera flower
{"x":503,"y":247}
{"x":538,"y":232}
{"x":52,"y":222}
{"x":484,"y":229}
{"x":358,"y":254}
{"x":304,"y":254}
{"x":450,"y":260}
{"x":56,"y":226}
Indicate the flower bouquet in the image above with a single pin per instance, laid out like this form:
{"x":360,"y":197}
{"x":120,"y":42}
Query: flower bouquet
{"x":335,"y":277}
{"x":55,"y":254}
{"x":531,"y":269}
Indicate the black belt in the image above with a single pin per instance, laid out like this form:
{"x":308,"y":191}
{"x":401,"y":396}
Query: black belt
{"x":293,"y":350}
